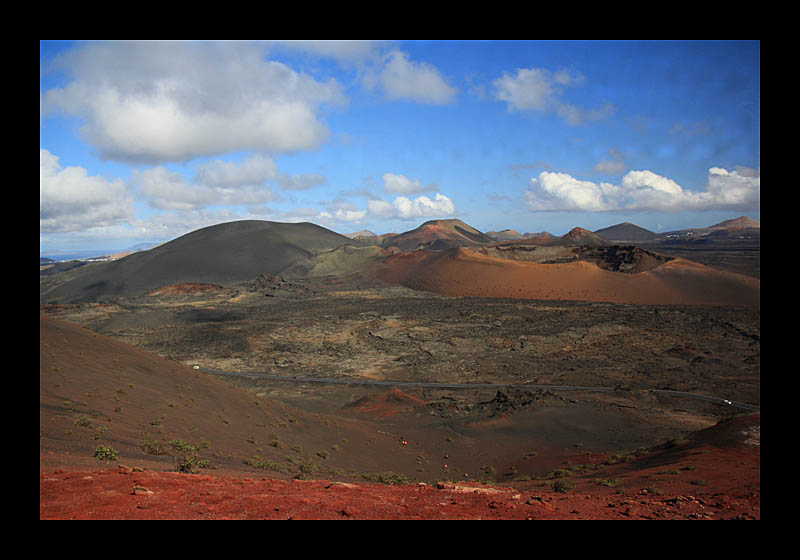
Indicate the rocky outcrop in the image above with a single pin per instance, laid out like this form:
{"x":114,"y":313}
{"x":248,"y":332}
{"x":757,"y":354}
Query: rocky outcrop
{"x":621,"y":258}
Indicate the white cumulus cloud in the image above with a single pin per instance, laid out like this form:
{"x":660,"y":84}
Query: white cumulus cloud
{"x":217,"y":185}
{"x":343,"y":215}
{"x":255,"y":170}
{"x":405,"y":208}
{"x":72,"y":200}
{"x":400,"y":184}
{"x":735,"y":189}
{"x":538,"y":89}
{"x":644,"y":190}
{"x":401,"y":78}
{"x":561,"y":191}
{"x":155,"y":102}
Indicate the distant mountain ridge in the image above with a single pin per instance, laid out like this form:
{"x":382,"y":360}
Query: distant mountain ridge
{"x":362,"y":233}
{"x":628,"y":232}
{"x":737,"y":223}
{"x":742,"y":227}
{"x":240,"y":251}
{"x":505,"y":235}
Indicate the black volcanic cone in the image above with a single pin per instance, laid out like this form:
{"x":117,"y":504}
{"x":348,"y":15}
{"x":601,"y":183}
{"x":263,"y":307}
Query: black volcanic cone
{"x":222,"y":254}
{"x":627,"y":232}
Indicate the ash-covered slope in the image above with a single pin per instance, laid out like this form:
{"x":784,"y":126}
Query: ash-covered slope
{"x":98,"y":391}
{"x":592,"y":273}
{"x":222,"y":254}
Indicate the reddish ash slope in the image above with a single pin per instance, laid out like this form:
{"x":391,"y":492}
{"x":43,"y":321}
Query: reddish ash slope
{"x":464,"y":272}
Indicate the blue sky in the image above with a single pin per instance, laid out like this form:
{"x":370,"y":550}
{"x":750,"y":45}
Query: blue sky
{"x":146,"y":141}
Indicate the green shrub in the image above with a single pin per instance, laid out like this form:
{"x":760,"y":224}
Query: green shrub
{"x":105,"y":453}
{"x":609,"y":482}
{"x":190,"y":463}
{"x":388,"y":477}
{"x":83,"y":421}
{"x":308,"y":467}
{"x":266,"y":464}
{"x":180,"y":445}
{"x":561,"y":485}
{"x":151,"y":446}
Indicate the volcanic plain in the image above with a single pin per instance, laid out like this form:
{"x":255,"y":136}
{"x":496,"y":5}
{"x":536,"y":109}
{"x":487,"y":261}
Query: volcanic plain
{"x":557,"y":379}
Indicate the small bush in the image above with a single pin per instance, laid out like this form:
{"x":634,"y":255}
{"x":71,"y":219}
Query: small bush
{"x":83,"y":421}
{"x":561,"y":485}
{"x":151,"y":446}
{"x":190,"y":464}
{"x":308,"y":467}
{"x":677,"y":442}
{"x":180,"y":445}
{"x":609,"y":482}
{"x":388,"y":477}
{"x":105,"y":453}
{"x":266,"y":464}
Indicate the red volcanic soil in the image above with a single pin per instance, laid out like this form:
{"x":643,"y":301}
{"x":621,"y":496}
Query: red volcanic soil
{"x":715,"y":474}
{"x":386,"y":404}
{"x":463,"y":272}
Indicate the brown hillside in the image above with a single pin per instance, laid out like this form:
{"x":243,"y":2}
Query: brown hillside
{"x":94,"y":390}
{"x":741,"y":222}
{"x":581,"y":236}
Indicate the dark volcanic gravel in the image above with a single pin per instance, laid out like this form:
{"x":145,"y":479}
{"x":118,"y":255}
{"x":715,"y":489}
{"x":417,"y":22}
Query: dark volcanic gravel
{"x":402,"y":335}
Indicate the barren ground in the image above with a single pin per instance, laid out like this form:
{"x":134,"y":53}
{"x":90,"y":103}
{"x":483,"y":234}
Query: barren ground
{"x":506,"y":441}
{"x":360,"y":450}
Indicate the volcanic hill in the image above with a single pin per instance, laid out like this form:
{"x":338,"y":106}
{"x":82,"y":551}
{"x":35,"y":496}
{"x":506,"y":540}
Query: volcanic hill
{"x":626,"y":232}
{"x":742,"y":227}
{"x":581,"y":236}
{"x":505,"y":235}
{"x":447,"y":257}
{"x":222,"y":254}
{"x":465,"y":272}
{"x":437,"y":235}
{"x":742,"y":222}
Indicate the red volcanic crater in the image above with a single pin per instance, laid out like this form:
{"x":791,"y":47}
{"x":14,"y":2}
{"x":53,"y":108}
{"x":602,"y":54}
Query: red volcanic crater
{"x":463,"y":272}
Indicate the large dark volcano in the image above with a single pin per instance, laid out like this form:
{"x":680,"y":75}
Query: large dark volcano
{"x":222,"y":254}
